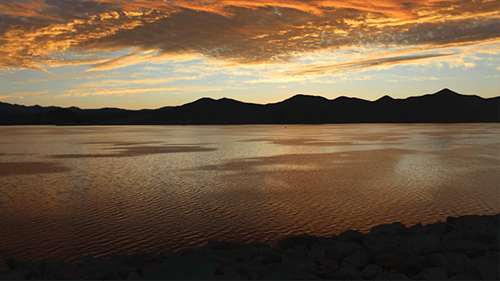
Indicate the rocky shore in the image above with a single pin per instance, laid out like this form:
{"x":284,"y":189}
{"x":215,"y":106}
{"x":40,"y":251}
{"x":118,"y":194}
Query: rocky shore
{"x":463,"y":248}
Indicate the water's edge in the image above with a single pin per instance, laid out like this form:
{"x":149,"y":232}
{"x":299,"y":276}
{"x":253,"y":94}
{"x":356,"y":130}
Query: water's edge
{"x":465,"y":247}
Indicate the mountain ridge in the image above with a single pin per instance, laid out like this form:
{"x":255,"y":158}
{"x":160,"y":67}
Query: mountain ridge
{"x":444,"y":106}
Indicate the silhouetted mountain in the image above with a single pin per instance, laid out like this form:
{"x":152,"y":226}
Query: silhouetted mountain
{"x":444,"y":106}
{"x":7,"y":109}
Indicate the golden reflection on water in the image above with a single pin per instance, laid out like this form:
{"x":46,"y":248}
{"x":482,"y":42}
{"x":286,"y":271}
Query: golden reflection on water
{"x":69,"y":192}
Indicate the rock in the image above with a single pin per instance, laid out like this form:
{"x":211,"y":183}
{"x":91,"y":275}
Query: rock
{"x":14,"y":263}
{"x":275,"y":268}
{"x":350,"y":273}
{"x":225,"y":246}
{"x":395,"y":260}
{"x":330,"y":265}
{"x":347,"y":249}
{"x":395,"y":276}
{"x":453,"y":262}
{"x":259,"y":259}
{"x":432,"y":273}
{"x":44,"y":267}
{"x":416,"y":229}
{"x":186,"y":268}
{"x":90,"y":261}
{"x":371,"y":271}
{"x":133,"y":275}
{"x":166,"y":255}
{"x":466,"y":222}
{"x":381,"y":276}
{"x":396,"y":228}
{"x":379,"y":245}
{"x":292,"y":275}
{"x":465,"y":276}
{"x":317,"y":252}
{"x":324,"y":274}
{"x":34,"y":275}
{"x":420,"y":244}
{"x":271,"y":257}
{"x":66,"y":272}
{"x":351,"y":236}
{"x":137,"y":260}
{"x":456,"y":234}
{"x":256,"y":248}
{"x":488,"y":268}
{"x":470,"y":248}
{"x":290,"y":242}
{"x":492,"y":254}
{"x":229,"y":276}
{"x":106,"y":271}
{"x":13,"y":274}
{"x":359,"y":260}
{"x":439,"y":229}
{"x":239,"y":268}
{"x":333,"y":254}
{"x":148,"y":270}
{"x":205,"y":252}
{"x":482,"y":237}
{"x":415,"y":265}
{"x":114,"y":258}
{"x":296,"y":256}
{"x":244,"y":258}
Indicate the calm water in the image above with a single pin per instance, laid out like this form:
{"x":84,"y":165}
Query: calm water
{"x":67,"y":192}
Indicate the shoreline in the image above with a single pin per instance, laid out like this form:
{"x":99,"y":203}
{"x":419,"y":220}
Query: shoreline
{"x":465,"y":247}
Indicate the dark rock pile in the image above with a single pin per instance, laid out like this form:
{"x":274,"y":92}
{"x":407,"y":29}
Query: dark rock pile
{"x":463,"y":248}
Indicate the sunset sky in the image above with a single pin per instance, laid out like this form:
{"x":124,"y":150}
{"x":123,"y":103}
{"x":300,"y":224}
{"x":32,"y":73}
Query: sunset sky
{"x":138,"y":54}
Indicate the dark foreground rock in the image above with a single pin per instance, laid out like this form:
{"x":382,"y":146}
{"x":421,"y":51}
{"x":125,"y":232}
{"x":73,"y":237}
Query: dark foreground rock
{"x":463,"y":248}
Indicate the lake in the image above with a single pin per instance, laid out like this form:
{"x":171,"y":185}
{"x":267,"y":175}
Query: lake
{"x":68,"y":192}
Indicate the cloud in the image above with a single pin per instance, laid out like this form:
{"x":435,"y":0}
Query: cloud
{"x":7,"y":96}
{"x":120,"y":92}
{"x":38,"y":34}
{"x":348,"y":66}
{"x":78,"y":75}
{"x":113,"y":83}
{"x":28,"y":94}
{"x":123,"y":82}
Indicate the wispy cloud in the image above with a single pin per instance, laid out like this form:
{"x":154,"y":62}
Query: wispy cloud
{"x":119,"y":92}
{"x":123,"y":82}
{"x":29,"y":94}
{"x":113,"y":83}
{"x":79,"y":75}
{"x":349,"y":66}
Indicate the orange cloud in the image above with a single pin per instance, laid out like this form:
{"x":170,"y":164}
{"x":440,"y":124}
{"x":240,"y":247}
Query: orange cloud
{"x":120,"y":92}
{"x":38,"y":34}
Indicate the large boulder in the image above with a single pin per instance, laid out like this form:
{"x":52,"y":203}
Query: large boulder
{"x":453,"y":262}
{"x":396,"y":228}
{"x":358,"y":259}
{"x":470,"y":248}
{"x":488,"y":268}
{"x":290,"y":242}
{"x":432,"y":273}
{"x":395,"y":260}
{"x":186,"y":268}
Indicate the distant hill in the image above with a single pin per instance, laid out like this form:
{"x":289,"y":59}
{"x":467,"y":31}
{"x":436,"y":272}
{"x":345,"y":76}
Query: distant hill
{"x":444,"y":106}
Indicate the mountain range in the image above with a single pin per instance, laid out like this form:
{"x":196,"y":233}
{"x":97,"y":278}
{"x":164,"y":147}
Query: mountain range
{"x":445,"y":106}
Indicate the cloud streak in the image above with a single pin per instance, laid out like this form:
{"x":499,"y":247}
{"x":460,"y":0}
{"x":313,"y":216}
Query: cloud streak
{"x":37,"y":34}
{"x":82,"y":92}
{"x":349,"y":66}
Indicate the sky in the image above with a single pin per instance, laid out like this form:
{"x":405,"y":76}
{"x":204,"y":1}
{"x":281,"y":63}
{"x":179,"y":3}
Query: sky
{"x":137,"y":54}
